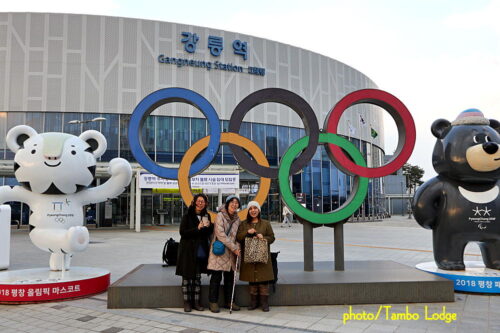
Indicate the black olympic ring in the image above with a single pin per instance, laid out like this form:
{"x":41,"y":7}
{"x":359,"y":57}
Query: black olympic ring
{"x":293,"y":101}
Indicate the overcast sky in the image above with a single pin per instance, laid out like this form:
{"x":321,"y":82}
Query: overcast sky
{"x":439,"y":57}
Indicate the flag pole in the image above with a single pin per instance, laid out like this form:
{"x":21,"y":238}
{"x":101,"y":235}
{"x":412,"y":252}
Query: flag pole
{"x":350,"y":177}
{"x":373,"y":179}
{"x":362,"y":123}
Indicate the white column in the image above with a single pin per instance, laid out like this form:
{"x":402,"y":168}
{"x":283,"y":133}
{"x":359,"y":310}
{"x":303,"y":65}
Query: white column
{"x":137,"y":202}
{"x":131,"y":212}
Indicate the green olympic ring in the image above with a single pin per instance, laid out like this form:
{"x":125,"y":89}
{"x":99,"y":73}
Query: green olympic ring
{"x":360,"y":187}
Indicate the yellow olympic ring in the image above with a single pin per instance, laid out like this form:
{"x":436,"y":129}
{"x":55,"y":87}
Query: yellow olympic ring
{"x":235,"y":139}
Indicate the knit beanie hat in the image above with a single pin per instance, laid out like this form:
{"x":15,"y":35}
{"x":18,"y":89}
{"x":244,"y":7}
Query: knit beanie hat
{"x":231,"y":197}
{"x":254,"y":204}
{"x":471,"y":117}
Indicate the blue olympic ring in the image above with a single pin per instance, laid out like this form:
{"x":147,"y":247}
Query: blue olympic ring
{"x":157,"y":99}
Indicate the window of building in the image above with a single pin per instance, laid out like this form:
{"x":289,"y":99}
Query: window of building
{"x":272,"y":144}
{"x":164,"y":139}
{"x":53,"y":122}
{"x":110,"y":129}
{"x":181,"y":137}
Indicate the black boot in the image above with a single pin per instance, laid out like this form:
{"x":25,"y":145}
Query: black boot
{"x":213,"y":292}
{"x":186,"y":294}
{"x":264,"y":301}
{"x":214,"y":307}
{"x":187,"y":306}
{"x":197,"y":305}
{"x":228,"y":291}
{"x":236,"y":307}
{"x":197,"y":298}
{"x":254,"y":294}
{"x":264,"y":296}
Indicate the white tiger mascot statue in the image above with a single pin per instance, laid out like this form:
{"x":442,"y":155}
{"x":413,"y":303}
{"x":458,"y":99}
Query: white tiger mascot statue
{"x":54,"y":170}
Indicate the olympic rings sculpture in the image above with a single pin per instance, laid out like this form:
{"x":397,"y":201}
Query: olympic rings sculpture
{"x":294,"y":159}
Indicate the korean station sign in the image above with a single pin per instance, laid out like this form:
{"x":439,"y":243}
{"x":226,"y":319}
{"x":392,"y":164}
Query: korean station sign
{"x":215,"y":44}
{"x":215,"y":181}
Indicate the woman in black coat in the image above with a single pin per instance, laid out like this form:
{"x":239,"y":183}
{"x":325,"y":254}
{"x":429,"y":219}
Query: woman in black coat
{"x":192,"y":259}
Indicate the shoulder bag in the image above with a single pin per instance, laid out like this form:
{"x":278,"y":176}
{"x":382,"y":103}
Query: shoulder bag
{"x":218,"y":248}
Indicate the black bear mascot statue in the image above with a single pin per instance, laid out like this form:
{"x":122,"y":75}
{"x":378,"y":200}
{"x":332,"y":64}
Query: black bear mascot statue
{"x":462,"y":204}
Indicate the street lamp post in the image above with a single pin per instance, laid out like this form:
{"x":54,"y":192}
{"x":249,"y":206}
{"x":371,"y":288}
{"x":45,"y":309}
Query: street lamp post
{"x":79,"y":122}
{"x":402,"y":200}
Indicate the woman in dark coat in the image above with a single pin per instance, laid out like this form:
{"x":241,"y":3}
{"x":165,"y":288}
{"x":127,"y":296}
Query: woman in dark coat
{"x":192,"y":259}
{"x":257,"y":274}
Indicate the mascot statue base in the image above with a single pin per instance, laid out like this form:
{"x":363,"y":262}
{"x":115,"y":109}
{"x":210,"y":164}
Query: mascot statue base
{"x":42,"y":285}
{"x":476,"y":278}
{"x":54,"y":171}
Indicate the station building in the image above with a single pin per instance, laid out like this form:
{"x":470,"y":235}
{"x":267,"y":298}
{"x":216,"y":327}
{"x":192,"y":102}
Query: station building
{"x":71,"y":73}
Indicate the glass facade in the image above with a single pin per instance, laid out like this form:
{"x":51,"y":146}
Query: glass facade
{"x":166,"y":138}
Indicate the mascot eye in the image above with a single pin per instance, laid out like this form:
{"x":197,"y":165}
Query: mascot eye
{"x":73,"y":152}
{"x":480,"y":138}
{"x":33,"y":151}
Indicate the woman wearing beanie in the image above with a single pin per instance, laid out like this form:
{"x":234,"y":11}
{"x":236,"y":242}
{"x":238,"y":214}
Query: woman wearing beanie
{"x":192,"y":259}
{"x":225,"y":229}
{"x":259,"y":274}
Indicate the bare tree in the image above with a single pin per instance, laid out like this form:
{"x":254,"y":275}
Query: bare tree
{"x":413,"y":174}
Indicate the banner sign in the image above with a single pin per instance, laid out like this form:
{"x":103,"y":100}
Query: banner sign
{"x":174,"y":190}
{"x":148,"y":180}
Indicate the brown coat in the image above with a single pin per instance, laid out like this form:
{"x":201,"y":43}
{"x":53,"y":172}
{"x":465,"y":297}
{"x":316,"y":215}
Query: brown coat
{"x":227,"y":261}
{"x":256,"y":272}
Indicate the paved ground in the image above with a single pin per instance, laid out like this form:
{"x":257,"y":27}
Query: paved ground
{"x":121,"y":250}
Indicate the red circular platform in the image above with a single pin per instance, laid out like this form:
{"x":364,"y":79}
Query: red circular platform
{"x":43,"y":285}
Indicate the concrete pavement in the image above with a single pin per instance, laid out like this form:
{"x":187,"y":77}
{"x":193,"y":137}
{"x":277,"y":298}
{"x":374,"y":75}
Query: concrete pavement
{"x":121,"y":250}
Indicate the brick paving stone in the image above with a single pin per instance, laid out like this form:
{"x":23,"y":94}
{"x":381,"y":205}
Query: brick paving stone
{"x":157,"y":330}
{"x":297,"y":324}
{"x":378,"y":328}
{"x":321,"y":328}
{"x":112,"y":330}
{"x":59,"y":306}
{"x":176,"y":328}
{"x":240,"y":327}
{"x":330,"y":322}
{"x":144,"y":328}
{"x":86,"y":318}
{"x":346,"y":329}
{"x":275,"y":321}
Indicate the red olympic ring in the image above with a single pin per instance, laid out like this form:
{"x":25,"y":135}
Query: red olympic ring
{"x":400,"y":114}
